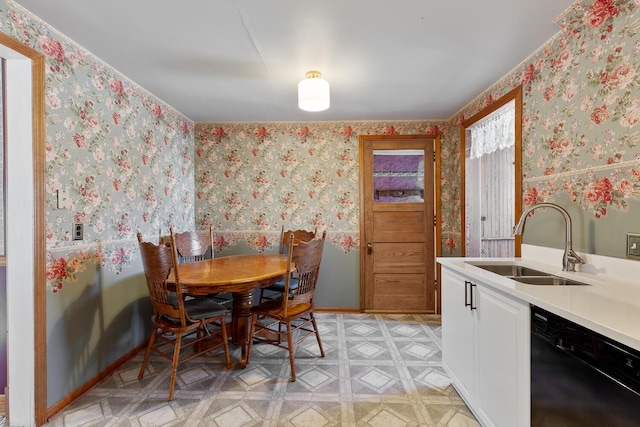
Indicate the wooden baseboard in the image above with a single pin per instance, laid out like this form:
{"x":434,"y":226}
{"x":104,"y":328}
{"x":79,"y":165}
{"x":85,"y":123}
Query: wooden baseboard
{"x":337,"y":310}
{"x":77,"y":393}
{"x":348,"y":310}
{"x":3,"y":403}
{"x":399,"y":312}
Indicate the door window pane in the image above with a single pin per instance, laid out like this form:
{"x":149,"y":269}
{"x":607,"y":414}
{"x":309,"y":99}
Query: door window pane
{"x":398,"y":176}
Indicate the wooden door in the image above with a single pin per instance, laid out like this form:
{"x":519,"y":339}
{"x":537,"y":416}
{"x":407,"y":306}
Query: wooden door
{"x":397,"y":260}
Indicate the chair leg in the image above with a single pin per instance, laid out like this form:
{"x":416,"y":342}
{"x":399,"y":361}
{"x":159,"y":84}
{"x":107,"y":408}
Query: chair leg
{"x":174,"y":367}
{"x":152,"y":339}
{"x":315,"y":329}
{"x":252,"y":330}
{"x":290,"y":345}
{"x":225,"y":341}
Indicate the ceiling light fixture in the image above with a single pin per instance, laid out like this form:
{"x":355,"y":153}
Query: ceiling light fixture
{"x":313,"y":92}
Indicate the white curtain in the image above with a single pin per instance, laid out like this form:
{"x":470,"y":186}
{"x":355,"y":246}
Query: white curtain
{"x":490,"y":174}
{"x":495,"y":132}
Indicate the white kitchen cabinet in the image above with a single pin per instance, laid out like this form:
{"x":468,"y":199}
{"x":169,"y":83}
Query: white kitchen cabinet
{"x":458,"y":333}
{"x":485,"y":349}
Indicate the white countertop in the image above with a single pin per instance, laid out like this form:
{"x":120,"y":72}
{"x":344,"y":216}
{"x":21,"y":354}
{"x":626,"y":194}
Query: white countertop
{"x":609,"y":306}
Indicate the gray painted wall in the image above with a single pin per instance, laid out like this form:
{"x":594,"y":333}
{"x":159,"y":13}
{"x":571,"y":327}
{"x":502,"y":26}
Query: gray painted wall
{"x":91,"y":324}
{"x":339,"y":281}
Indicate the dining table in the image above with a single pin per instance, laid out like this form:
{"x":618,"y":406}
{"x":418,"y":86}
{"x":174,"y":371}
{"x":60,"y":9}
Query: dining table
{"x":239,"y":275}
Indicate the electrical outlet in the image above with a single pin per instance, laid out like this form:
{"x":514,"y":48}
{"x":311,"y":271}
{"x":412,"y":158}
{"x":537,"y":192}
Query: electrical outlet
{"x":78,"y":231}
{"x":633,"y":245}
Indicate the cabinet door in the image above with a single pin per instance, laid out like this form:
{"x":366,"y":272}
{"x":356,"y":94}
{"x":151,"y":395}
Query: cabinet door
{"x":503,"y":377}
{"x":457,"y":334}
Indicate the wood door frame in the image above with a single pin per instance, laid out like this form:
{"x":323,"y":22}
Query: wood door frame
{"x":438,"y":220}
{"x":513,"y":95}
{"x":436,"y":204}
{"x":31,"y":397}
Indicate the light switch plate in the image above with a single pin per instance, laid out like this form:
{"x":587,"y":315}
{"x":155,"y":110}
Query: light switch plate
{"x":63,"y":199}
{"x":633,"y":245}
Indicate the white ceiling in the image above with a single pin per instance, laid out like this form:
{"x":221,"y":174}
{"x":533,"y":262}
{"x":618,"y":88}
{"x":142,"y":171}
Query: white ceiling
{"x":241,"y":60}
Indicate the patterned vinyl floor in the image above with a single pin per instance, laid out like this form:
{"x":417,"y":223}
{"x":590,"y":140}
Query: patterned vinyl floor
{"x":379,"y":370}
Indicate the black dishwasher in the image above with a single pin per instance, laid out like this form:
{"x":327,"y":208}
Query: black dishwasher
{"x":579,"y":377}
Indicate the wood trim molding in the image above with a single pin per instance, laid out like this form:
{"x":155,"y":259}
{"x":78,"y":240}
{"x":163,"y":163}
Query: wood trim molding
{"x":40,"y":267}
{"x":503,"y":100}
{"x":345,"y":310}
{"x":463,"y":190}
{"x":518,"y":166}
{"x":438,"y":217}
{"x":361,"y":143}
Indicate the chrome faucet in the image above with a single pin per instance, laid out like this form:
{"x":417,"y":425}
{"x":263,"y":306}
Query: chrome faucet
{"x":570,"y":257}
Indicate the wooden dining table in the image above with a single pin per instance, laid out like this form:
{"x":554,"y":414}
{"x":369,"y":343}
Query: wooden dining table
{"x":238,"y":274}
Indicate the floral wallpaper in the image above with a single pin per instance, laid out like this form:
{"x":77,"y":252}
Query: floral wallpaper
{"x":252,"y":178}
{"x":581,"y":112}
{"x":128,"y":163}
{"x":581,"y":127}
{"x":124,"y":158}
{"x":450,"y":192}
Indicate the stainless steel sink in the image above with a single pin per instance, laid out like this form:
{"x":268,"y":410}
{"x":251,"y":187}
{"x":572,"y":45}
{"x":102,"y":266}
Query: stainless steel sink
{"x":528,"y":275}
{"x":510,"y":270}
{"x":549,"y":281}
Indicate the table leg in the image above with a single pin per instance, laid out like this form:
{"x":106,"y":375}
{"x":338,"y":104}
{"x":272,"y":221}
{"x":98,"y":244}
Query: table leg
{"x":240,"y":322}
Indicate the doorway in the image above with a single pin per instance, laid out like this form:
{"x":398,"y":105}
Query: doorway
{"x":24,"y":137}
{"x":492,"y":179}
{"x":397,"y":257}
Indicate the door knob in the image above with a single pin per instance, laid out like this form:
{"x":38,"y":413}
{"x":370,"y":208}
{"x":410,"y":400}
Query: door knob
{"x":369,"y":248}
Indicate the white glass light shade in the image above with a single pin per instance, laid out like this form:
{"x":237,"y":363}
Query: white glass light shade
{"x":313,"y":93}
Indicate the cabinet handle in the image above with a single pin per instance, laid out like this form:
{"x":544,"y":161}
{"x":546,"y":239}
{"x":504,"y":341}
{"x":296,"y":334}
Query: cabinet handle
{"x":369,"y":248}
{"x":466,"y":294}
{"x":473,"y":305}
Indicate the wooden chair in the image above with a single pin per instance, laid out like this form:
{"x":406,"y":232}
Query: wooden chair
{"x":175,"y":319}
{"x":298,"y":236}
{"x":295,"y":304}
{"x":275,"y":290}
{"x":195,"y":246}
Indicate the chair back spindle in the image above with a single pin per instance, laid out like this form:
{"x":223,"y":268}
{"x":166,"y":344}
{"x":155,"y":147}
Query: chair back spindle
{"x":193,"y":246}
{"x":306,"y":256}
{"x":275,"y":291}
